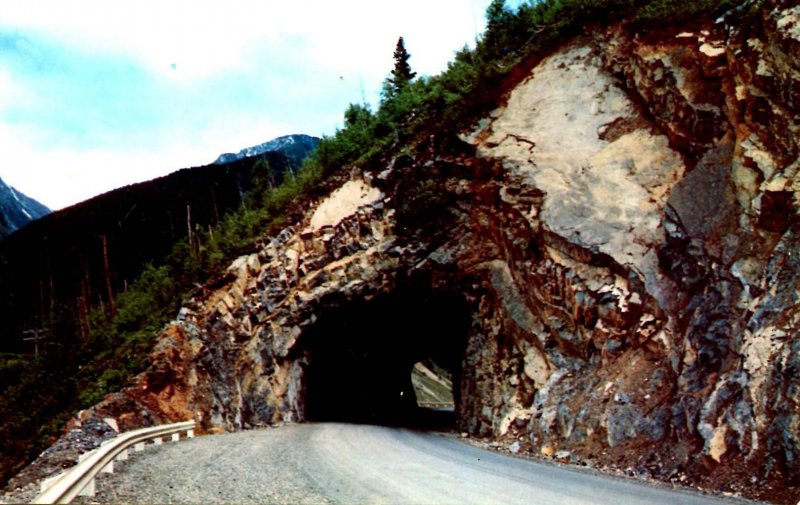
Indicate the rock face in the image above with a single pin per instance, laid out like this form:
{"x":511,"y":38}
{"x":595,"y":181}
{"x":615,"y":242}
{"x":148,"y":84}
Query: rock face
{"x":608,"y":266}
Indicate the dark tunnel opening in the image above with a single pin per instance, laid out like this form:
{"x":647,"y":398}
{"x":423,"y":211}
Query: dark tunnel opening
{"x":361,"y":356}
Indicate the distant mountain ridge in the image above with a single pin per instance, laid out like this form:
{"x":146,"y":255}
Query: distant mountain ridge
{"x":296,"y":147}
{"x":17,"y":209}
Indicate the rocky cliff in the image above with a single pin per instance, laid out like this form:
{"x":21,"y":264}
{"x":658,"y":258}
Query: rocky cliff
{"x":608,"y":266}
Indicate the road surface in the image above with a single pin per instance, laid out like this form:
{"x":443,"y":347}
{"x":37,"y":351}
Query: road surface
{"x":340,"y":463}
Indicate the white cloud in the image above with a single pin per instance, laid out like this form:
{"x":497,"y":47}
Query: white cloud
{"x":204,"y":37}
{"x":10,"y":92}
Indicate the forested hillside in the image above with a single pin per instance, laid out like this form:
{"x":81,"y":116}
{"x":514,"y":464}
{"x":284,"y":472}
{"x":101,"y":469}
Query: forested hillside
{"x":84,"y":290}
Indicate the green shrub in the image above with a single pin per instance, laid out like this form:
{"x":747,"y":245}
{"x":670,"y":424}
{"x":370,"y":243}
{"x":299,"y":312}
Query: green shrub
{"x":680,"y":10}
{"x":90,"y":395}
{"x":150,"y":299}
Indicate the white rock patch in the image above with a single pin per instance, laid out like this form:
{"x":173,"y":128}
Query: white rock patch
{"x":789,"y":22}
{"x":536,"y":367}
{"x":608,"y":195}
{"x":343,"y":203}
{"x":711,"y":50}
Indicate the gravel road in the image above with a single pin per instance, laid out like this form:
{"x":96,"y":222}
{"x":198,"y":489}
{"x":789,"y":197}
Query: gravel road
{"x":338,"y":463}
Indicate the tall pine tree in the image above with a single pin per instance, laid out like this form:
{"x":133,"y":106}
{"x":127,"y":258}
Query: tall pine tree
{"x":496,"y":15}
{"x":498,"y":20}
{"x":401,"y":74}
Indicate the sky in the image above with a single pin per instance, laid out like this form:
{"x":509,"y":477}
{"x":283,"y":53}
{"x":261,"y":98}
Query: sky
{"x":98,"y":94}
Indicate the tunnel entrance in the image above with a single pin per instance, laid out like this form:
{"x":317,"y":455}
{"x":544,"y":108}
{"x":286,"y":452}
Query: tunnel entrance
{"x":361,"y":357}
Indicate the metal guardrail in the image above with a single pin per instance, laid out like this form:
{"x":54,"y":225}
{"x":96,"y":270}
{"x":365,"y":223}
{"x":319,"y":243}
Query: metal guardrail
{"x":435,"y":404}
{"x":80,"y":479}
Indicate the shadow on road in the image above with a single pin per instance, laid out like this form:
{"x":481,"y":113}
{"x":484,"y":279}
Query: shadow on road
{"x":432,"y":419}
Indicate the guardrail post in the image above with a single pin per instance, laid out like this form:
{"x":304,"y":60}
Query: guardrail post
{"x":123,"y":456}
{"x":89,"y":490}
{"x":109,"y":468}
{"x":138,"y":447}
{"x":157,"y":441}
{"x":176,"y":437}
{"x":190,"y":434}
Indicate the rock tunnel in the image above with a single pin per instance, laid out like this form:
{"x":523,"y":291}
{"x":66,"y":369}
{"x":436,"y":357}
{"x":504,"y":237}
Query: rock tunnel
{"x":360,"y":357}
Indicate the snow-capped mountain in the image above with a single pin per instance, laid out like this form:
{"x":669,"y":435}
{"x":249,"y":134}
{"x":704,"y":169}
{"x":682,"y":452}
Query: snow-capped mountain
{"x":17,"y":210}
{"x":296,"y":147}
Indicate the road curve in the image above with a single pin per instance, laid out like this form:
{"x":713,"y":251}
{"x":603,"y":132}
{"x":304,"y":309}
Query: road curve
{"x":340,"y":463}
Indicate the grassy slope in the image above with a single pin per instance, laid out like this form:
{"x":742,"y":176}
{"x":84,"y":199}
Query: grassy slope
{"x":432,"y":385}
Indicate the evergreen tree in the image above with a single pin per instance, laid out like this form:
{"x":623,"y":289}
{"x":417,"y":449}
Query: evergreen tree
{"x":263,"y":182}
{"x":496,"y":15}
{"x":498,"y":25}
{"x":401,"y":74}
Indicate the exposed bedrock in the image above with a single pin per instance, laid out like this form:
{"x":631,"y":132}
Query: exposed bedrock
{"x":608,"y":265}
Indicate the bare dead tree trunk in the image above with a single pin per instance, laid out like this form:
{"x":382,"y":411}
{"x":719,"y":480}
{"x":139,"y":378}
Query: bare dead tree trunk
{"x":107,"y":270}
{"x":52,"y":289}
{"x":215,"y":206}
{"x":189,"y":228}
{"x":83,"y":313}
{"x":41,"y":302}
